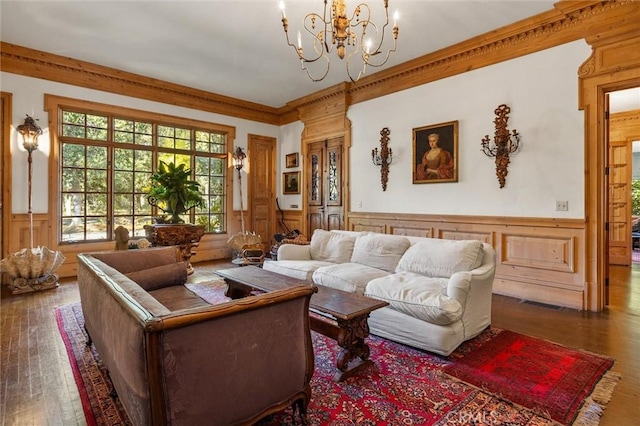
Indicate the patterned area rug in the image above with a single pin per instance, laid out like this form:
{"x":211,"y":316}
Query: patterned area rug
{"x":406,"y":386}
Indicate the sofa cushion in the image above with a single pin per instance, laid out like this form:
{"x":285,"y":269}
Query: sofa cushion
{"x":334,"y":247}
{"x":178,"y":297}
{"x":379,"y":250}
{"x":441,"y":258}
{"x":300,"y":269}
{"x":351,"y":277}
{"x":125,"y":262}
{"x":416,"y":295}
{"x":160,"y":276}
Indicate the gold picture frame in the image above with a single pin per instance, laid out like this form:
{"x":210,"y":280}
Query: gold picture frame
{"x":291,"y":183}
{"x":437,"y":163}
{"x":291,"y":160}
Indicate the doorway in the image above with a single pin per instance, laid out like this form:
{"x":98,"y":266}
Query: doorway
{"x":623,"y":177}
{"x":261,"y":187}
{"x":325,"y":201}
{"x":624,"y":128}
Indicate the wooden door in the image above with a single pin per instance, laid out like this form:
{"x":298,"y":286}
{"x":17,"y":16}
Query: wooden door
{"x":620,"y":170}
{"x":325,"y":206}
{"x":261,"y":187}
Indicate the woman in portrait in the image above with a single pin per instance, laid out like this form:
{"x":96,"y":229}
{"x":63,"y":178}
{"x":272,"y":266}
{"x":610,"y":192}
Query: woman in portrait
{"x":437,"y":163}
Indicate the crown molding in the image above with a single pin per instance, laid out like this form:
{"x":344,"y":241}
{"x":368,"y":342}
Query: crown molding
{"x":34,"y":63}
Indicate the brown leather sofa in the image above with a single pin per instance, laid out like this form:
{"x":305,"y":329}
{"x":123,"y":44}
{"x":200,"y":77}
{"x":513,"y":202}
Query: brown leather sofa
{"x":175,"y":359}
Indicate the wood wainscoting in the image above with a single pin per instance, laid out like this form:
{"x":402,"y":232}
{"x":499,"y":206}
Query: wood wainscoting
{"x":537,"y":259}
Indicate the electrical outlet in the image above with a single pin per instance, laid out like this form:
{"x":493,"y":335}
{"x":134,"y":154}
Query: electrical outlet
{"x":294,"y":206}
{"x":359,"y":204}
{"x":562,"y":206}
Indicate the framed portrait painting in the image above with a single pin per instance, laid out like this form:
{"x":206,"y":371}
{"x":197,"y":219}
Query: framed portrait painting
{"x":292,"y":160}
{"x":291,"y":183}
{"x":435,"y":153}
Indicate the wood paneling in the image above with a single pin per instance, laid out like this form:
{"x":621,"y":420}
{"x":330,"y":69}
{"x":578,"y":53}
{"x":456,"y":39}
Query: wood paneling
{"x":536,"y":258}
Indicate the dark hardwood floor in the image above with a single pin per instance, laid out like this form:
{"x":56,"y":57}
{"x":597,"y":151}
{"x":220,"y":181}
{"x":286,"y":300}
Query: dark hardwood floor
{"x":38,"y":386}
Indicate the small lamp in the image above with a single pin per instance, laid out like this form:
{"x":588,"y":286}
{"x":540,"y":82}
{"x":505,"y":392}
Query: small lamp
{"x":238,"y":158}
{"x":238,"y":163}
{"x":30,"y":132}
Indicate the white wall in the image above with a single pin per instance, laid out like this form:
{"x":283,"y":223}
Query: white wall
{"x":542,"y":91}
{"x":290,"y":136}
{"x":28,"y":98}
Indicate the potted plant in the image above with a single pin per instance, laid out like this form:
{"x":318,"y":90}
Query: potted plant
{"x":173,"y":191}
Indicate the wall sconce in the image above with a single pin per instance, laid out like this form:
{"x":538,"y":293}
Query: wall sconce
{"x":384,"y":158}
{"x":238,"y":158}
{"x":504,"y":143}
{"x":238,"y":163}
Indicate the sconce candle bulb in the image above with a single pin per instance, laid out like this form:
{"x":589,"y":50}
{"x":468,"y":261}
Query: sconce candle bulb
{"x":504,"y":143}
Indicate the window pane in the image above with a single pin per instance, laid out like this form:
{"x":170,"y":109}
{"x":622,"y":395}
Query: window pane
{"x":123,"y":181}
{"x":216,"y":186}
{"x":96,"y":204}
{"x":96,"y":228}
{"x":97,"y":157}
{"x":72,"y":155}
{"x":123,"y":203}
{"x":126,"y":221}
{"x":73,"y":204}
{"x":143,"y":161}
{"x":142,"y":181}
{"x":72,"y":180}
{"x":218,"y":166}
{"x":74,"y":118}
{"x":73,"y":229}
{"x":97,"y":181}
{"x":71,"y":131}
{"x":123,"y":159}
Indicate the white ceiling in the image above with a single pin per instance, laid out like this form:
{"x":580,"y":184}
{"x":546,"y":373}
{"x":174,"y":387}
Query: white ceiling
{"x":237,"y":48}
{"x":234,"y":48}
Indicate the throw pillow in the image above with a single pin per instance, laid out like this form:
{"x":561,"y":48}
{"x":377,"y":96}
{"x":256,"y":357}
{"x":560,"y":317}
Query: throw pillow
{"x":328,"y":246}
{"x":441,"y":258}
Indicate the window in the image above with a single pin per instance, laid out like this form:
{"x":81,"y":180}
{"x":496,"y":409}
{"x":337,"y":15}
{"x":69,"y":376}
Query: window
{"x":106,"y":161}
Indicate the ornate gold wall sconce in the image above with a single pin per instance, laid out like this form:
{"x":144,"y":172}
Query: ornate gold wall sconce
{"x":504,"y":143}
{"x":384,"y":158}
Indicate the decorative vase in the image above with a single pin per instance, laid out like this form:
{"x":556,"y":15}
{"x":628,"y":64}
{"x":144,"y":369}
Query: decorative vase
{"x":32,"y":269}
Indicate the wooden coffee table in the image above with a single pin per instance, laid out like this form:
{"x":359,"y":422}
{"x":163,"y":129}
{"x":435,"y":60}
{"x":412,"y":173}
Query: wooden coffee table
{"x":337,"y":314}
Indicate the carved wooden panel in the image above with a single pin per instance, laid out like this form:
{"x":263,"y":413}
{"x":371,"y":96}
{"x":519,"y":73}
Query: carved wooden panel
{"x":364,"y":227}
{"x":411,"y":232}
{"x":551,"y":253}
{"x":449,"y":234}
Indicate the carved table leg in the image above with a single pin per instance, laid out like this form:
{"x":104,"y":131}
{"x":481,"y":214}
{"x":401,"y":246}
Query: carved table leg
{"x":351,"y":339}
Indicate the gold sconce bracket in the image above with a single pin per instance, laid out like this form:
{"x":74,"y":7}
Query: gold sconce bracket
{"x":384,"y":157}
{"x":504,"y":143}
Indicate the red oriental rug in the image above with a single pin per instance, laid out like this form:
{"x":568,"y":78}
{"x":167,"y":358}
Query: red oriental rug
{"x":501,"y":377}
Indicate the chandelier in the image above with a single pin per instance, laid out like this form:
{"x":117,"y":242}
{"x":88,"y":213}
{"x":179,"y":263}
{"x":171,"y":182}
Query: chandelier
{"x":355,"y":37}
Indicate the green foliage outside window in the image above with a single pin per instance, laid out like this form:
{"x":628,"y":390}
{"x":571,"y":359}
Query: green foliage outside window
{"x":106,"y":166}
{"x":635,"y":197}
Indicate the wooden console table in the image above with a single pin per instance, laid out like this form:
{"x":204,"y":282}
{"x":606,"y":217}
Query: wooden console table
{"x":337,"y":314}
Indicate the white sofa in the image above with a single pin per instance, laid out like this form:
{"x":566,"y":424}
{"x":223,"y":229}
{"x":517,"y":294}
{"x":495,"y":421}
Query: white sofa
{"x":439,"y":291}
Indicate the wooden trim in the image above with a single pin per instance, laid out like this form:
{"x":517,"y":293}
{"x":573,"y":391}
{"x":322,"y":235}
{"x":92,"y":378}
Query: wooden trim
{"x":7,"y":114}
{"x":540,"y":259}
{"x":599,"y":74}
{"x":47,"y":66}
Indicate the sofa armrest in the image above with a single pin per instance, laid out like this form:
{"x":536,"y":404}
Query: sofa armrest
{"x":294,"y":252}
